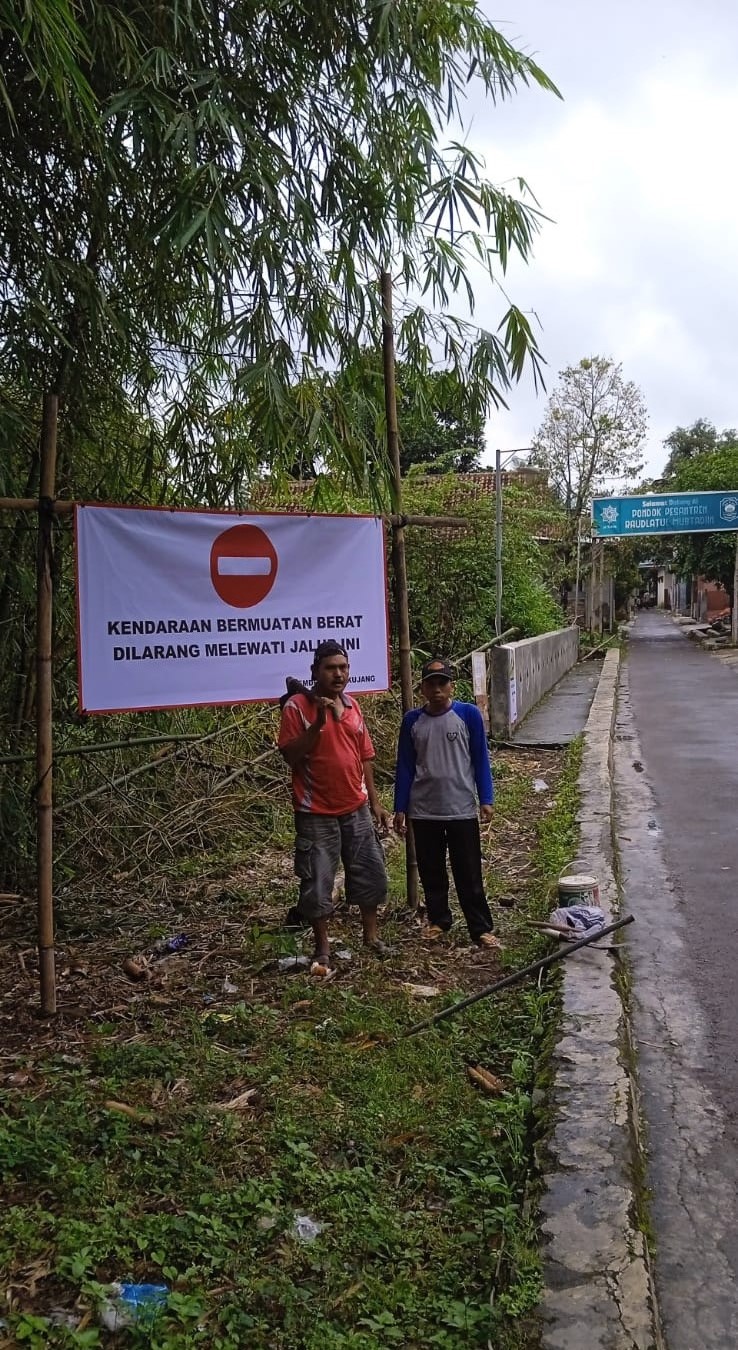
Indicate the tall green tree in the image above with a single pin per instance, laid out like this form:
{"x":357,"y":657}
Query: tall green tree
{"x":197,"y":200}
{"x":686,"y":443}
{"x":440,"y":426}
{"x":440,"y":429}
{"x":708,"y":555}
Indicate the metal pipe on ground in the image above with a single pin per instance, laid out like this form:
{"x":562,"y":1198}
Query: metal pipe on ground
{"x":518,"y":975}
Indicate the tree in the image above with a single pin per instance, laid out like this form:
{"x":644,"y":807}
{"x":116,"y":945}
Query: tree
{"x":441,"y":429}
{"x":451,"y":573}
{"x":686,"y":443}
{"x":593,"y":430}
{"x":197,"y":200}
{"x":708,"y":555}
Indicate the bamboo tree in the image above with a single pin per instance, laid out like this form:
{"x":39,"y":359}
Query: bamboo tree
{"x":195,"y":203}
{"x":197,"y":199}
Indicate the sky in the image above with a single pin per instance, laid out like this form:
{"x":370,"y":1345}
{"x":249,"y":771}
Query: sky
{"x":636,"y":169}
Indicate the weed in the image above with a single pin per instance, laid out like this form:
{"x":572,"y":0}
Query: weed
{"x":424,"y":1187}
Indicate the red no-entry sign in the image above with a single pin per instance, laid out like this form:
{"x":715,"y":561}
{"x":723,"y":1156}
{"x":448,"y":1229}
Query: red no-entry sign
{"x":243,"y":565}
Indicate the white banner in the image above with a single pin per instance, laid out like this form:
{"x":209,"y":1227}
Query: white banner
{"x":180,"y":608}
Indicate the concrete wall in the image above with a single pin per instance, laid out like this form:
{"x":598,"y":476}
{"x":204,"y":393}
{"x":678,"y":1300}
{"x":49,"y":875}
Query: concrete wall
{"x":522,"y":672}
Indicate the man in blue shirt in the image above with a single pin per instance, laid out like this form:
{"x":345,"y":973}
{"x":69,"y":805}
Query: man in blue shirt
{"x":443,"y":778}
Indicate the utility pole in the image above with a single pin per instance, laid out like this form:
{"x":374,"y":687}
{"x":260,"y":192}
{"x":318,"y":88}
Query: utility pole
{"x":602,"y":587}
{"x":579,"y":569}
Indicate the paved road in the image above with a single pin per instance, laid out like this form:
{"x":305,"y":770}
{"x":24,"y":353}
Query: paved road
{"x":676,"y":799}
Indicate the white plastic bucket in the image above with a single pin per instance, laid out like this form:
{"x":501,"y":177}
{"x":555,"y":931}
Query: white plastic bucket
{"x":579,"y":889}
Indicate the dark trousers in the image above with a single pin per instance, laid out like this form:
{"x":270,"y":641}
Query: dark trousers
{"x":462,"y":840}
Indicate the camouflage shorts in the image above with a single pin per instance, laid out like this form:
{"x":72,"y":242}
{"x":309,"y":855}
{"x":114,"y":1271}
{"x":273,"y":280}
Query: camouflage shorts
{"x":324,"y":841}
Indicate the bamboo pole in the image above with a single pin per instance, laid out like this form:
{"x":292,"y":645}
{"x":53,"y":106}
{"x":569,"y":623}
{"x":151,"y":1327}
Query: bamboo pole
{"x":97,"y":747}
{"x":398,"y":547}
{"x":446,"y":522}
{"x":31,"y":504}
{"x":485,"y":647}
{"x":65,"y":508}
{"x":135,"y":773}
{"x":579,"y":568}
{"x":498,"y":541}
{"x":44,"y":732}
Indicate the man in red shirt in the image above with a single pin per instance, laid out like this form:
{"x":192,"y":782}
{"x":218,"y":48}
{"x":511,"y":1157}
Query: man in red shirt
{"x":323,"y":738}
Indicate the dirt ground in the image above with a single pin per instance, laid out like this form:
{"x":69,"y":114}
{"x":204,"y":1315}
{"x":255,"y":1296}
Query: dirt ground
{"x":233,"y":932}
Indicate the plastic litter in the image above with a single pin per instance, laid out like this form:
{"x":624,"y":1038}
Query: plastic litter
{"x":58,"y":1317}
{"x":343,"y":954}
{"x":165,"y":946}
{"x":540,"y":785}
{"x":306,"y":1229}
{"x":289,"y":965}
{"x":229,"y":987}
{"x":127,"y":1305}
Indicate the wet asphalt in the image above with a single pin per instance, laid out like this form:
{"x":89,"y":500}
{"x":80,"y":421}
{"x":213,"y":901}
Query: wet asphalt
{"x":675,"y":767}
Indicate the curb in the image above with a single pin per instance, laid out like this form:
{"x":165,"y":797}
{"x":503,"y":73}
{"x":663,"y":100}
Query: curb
{"x":598,"y":1293}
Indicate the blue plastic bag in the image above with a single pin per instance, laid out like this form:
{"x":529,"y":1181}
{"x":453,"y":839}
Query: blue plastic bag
{"x":127,"y":1304}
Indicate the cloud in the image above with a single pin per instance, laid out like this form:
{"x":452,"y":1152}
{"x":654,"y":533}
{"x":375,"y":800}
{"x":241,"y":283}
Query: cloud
{"x":639,"y":262}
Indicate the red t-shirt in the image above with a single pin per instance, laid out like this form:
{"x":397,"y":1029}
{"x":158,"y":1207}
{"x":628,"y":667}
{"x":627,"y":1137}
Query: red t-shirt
{"x":330,"y":780}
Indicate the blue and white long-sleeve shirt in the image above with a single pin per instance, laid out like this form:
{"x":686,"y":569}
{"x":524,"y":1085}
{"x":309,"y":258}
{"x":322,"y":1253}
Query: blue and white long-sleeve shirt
{"x":443,"y":764}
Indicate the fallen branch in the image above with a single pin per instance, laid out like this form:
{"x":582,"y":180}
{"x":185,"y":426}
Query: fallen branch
{"x":486,"y":646}
{"x":98,"y":746}
{"x":132,"y":1112}
{"x":142,"y":768}
{"x":593,"y":651}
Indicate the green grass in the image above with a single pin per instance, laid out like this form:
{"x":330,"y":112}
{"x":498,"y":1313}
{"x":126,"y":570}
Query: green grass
{"x":417,"y":1179}
{"x":425,"y":1188}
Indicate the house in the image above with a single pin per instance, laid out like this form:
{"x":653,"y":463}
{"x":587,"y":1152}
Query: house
{"x":702,"y":599}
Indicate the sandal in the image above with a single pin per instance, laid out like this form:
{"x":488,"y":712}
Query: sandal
{"x":490,"y":941}
{"x":432,"y":933}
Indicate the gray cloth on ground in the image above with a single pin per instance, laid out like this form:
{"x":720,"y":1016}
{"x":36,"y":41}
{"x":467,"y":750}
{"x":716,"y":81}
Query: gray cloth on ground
{"x":580,"y":919}
{"x":324,"y":841}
